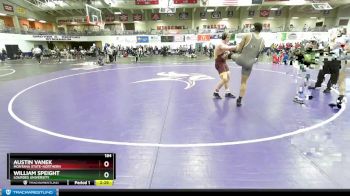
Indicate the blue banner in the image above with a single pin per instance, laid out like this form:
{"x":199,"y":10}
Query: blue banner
{"x":15,"y":192}
{"x":142,"y":39}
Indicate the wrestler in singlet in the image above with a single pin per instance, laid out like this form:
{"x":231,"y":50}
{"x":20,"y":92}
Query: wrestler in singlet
{"x":249,"y":54}
{"x":220,"y":63}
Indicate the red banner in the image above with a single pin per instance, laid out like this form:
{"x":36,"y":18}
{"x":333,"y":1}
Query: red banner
{"x":8,"y":7}
{"x":146,"y":2}
{"x":155,"y":16}
{"x":203,"y":38}
{"x":264,"y":13}
{"x":123,"y":17}
{"x":137,"y":17}
{"x":185,"y":1}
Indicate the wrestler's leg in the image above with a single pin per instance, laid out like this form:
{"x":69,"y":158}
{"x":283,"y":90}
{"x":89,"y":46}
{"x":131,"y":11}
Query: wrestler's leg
{"x":223,"y":81}
{"x":243,"y":88}
{"x":227,"y":88}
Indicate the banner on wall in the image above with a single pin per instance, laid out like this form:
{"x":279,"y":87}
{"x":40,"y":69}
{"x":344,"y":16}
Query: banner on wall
{"x":264,"y":13}
{"x":123,"y":17}
{"x":155,"y":16}
{"x":283,"y":36}
{"x":179,"y":38}
{"x":257,"y":2}
{"x":215,"y":36}
{"x":137,"y":17}
{"x":214,"y":26}
{"x":7,"y":7}
{"x":190,"y":38}
{"x":229,"y":14}
{"x":216,"y":15}
{"x":146,"y":2}
{"x":203,"y":38}
{"x":183,"y":16}
{"x":54,"y":38}
{"x":170,"y":27}
{"x":222,"y":2}
{"x":154,"y":39}
{"x":20,"y":10}
{"x":185,"y":1}
{"x":167,"y":38}
{"x":142,"y":39}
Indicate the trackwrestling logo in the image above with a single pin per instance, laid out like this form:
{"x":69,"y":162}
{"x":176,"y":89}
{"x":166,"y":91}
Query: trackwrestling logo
{"x":21,"y":192}
{"x":190,"y":79}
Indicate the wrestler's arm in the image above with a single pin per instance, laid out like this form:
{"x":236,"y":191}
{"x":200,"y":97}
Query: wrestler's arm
{"x":225,"y":47}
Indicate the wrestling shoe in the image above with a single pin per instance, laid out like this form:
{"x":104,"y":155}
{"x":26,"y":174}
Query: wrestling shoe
{"x":239,"y":102}
{"x":230,"y":95}
{"x":216,"y":95}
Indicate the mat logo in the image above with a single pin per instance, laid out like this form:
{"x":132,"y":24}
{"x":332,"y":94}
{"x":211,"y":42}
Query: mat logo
{"x":190,"y":79}
{"x":8,"y":192}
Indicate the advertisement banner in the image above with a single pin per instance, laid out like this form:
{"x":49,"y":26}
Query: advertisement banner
{"x":203,"y":38}
{"x":179,"y":38}
{"x":142,"y":39}
{"x":154,"y":39}
{"x":146,"y":2}
{"x":167,"y":38}
{"x":185,"y":1}
{"x":190,"y":38}
{"x":54,"y":38}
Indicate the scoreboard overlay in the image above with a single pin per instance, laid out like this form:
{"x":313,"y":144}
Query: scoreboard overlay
{"x":88,"y":169}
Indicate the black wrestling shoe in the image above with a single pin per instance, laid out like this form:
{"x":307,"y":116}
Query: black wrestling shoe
{"x":230,"y":95}
{"x":313,"y":87}
{"x":239,"y":102}
{"x":327,"y":90}
{"x":216,"y":95}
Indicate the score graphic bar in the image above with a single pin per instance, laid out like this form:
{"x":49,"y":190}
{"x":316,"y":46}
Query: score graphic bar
{"x":61,"y":169}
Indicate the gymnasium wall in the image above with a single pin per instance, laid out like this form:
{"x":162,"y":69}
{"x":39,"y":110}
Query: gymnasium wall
{"x":27,"y":42}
